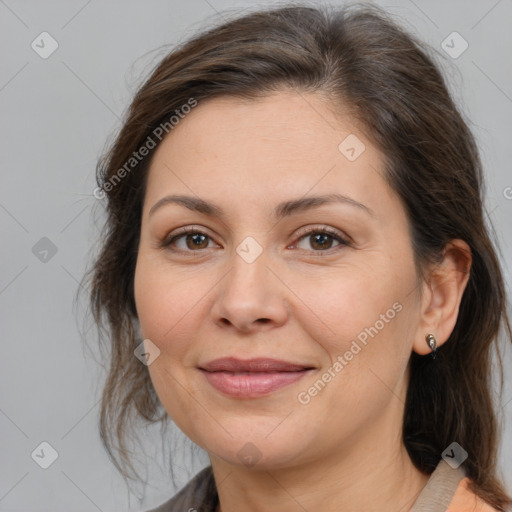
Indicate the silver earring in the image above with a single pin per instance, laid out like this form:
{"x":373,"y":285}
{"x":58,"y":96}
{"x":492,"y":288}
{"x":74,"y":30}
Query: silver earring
{"x":432,"y":343}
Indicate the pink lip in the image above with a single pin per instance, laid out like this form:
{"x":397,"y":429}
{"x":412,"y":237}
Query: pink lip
{"x":252,"y":378}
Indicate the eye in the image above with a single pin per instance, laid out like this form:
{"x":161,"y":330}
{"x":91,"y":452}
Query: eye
{"x":187,"y":240}
{"x":190,"y":239}
{"x":321,"y":240}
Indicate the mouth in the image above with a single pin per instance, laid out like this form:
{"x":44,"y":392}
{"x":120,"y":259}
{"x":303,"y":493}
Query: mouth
{"x":252,"y":378}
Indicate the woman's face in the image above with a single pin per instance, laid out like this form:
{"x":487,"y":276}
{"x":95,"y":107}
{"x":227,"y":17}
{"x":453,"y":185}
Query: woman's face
{"x":260,"y":278}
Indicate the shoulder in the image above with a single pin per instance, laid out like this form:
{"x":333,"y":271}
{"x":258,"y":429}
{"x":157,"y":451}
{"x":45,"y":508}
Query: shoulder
{"x":465,"y":500}
{"x":199,"y":495}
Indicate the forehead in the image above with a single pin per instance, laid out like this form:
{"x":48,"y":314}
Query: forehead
{"x":275,"y":124}
{"x":284,"y":144}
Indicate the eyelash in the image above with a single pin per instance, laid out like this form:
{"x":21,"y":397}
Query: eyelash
{"x":167,"y":242}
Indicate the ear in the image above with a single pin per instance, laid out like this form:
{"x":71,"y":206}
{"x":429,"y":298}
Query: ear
{"x":441,"y":295}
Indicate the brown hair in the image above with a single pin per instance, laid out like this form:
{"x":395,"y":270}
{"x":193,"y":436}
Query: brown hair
{"x":360,"y":58}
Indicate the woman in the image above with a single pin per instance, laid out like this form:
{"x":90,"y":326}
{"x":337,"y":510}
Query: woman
{"x":295,"y":230}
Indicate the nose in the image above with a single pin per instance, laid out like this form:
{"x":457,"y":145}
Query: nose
{"x":250,"y":297}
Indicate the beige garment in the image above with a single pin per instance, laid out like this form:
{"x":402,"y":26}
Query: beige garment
{"x":437,"y":495}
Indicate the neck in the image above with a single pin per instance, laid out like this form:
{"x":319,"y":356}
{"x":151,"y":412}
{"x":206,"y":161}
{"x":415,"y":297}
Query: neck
{"x":381,"y":488}
{"x":372,"y":471}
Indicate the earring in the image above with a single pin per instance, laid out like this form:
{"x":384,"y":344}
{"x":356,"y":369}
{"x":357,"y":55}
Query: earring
{"x":431,"y":340}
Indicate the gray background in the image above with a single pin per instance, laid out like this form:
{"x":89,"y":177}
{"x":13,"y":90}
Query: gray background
{"x":57,"y":114}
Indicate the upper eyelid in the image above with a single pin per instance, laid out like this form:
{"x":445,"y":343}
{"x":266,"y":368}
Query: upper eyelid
{"x":305,"y":230}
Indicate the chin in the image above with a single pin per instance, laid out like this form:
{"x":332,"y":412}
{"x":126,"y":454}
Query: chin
{"x":256,"y":452}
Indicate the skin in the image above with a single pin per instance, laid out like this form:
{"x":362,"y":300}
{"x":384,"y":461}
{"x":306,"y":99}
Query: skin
{"x":299,"y":301}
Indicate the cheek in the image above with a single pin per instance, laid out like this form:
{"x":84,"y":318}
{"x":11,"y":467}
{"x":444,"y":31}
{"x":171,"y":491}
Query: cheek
{"x":367,"y":354}
{"x":161,"y":299}
{"x":167,"y":305}
{"x":171,"y":305}
{"x":345,"y":301}
{"x":363,"y":318}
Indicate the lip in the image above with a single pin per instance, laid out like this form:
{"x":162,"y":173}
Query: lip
{"x":233,"y":364}
{"x":252,"y":378}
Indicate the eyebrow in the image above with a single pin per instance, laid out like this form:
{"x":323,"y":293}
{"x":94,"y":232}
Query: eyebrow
{"x":282,"y":210}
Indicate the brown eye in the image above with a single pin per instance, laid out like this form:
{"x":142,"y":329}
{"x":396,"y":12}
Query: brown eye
{"x":189,"y":240}
{"x":196,"y":241}
{"x":321,"y":240}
